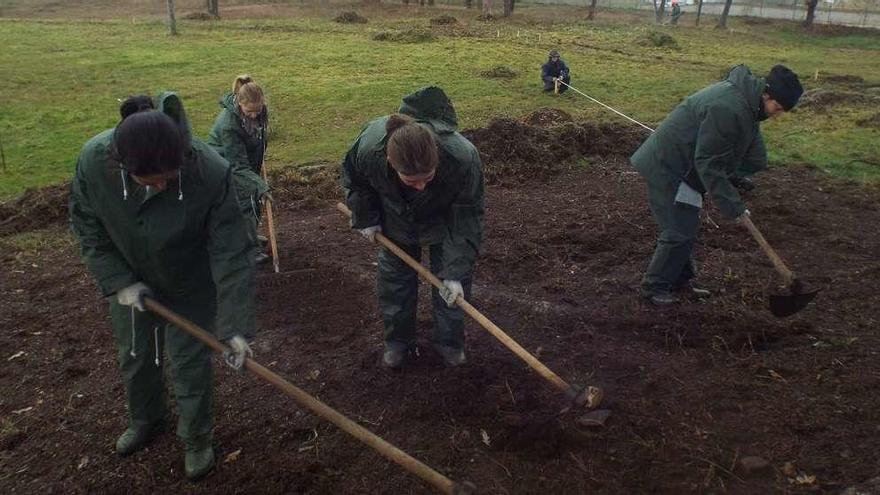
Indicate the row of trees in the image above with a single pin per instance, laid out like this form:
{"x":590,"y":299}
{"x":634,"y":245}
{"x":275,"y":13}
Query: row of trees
{"x":213,"y":8}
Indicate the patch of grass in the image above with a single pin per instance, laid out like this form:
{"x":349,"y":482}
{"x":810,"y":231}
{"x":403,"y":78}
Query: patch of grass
{"x":408,"y":34}
{"x":350,"y":17}
{"x":657,"y":39}
{"x":34,"y":242}
{"x":500,"y":72}
{"x":75,"y":72}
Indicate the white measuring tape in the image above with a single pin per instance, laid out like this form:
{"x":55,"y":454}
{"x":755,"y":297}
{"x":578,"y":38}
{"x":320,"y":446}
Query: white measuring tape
{"x":604,"y":105}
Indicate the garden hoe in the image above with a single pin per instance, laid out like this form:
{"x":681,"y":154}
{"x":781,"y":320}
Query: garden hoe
{"x":588,"y":397}
{"x":782,"y":305}
{"x":411,"y":464}
{"x":270,"y":217}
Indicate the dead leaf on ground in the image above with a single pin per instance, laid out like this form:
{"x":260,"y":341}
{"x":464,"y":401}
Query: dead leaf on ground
{"x":232,"y":457}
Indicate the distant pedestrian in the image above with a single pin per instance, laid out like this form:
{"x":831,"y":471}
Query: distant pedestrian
{"x":676,"y":13}
{"x":555,"y":68}
{"x":696,"y":150}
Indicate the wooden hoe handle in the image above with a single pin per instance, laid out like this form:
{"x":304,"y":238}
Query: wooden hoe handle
{"x":499,"y":334}
{"x":783,"y":270}
{"x":270,"y":220}
{"x":411,"y":464}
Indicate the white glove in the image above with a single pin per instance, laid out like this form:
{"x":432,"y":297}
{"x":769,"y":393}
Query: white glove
{"x":369,"y":233}
{"x":133,"y":295}
{"x":239,"y":349}
{"x":450,"y":292}
{"x":745,"y":214}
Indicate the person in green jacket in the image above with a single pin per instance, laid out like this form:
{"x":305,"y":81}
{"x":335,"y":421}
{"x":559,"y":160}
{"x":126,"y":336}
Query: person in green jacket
{"x":240,"y":135}
{"x":695,"y":151}
{"x":414,"y":178}
{"x":155,"y":214}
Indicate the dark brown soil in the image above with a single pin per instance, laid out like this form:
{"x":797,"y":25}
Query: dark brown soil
{"x":693,"y":389}
{"x":350,"y":17}
{"x":546,"y":117}
{"x":35,"y":208}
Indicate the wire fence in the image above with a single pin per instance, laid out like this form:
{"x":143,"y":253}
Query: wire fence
{"x":858,"y":13}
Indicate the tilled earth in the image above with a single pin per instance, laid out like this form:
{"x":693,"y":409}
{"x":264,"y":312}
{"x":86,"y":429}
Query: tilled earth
{"x":693,"y":389}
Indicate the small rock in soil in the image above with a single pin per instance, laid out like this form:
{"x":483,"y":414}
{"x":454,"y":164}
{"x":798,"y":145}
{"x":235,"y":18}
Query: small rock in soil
{"x":754,"y":465}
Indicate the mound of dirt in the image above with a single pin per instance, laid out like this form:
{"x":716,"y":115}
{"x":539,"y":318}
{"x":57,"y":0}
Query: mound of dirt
{"x":822,"y":99}
{"x":486,"y":17}
{"x":657,"y":39}
{"x":546,"y":117}
{"x":35,"y":209}
{"x":870,"y":121}
{"x":847,"y":79}
{"x":413,"y":34}
{"x":350,"y":17}
{"x":199,"y":16}
{"x":306,"y":185}
{"x":499,"y":72}
{"x":444,"y":19}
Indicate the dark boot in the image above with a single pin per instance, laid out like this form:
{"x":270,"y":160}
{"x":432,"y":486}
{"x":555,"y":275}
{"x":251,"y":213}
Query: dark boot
{"x":261,"y":258}
{"x":135,"y":438}
{"x":198,"y":462}
{"x":663,"y":299}
{"x":395,"y":354}
{"x":742,"y":183}
{"x":694,"y":291}
{"x":452,"y":356}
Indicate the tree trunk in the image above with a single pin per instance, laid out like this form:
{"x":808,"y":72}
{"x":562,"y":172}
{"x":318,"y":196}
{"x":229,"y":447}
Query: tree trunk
{"x":487,"y":7}
{"x":430,"y":3}
{"x":214,"y":8}
{"x":469,"y":4}
{"x":592,"y":14}
{"x":508,"y":8}
{"x":699,"y":12}
{"x":722,"y":22}
{"x":811,"y":13}
{"x":661,"y":12}
{"x":172,"y":22}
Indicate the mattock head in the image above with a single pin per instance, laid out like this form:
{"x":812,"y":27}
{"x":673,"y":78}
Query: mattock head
{"x":587,"y":397}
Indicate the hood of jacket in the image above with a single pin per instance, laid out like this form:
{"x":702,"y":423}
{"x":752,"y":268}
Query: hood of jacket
{"x":751,"y":87}
{"x":431,"y":106}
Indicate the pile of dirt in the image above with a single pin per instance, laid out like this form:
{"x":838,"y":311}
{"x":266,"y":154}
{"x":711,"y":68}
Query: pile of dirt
{"x":845,"y":79}
{"x":546,"y":117}
{"x":199,"y":16}
{"x":411,"y":34}
{"x":657,"y":39}
{"x":306,"y":186}
{"x":35,"y":209}
{"x":350,"y":17}
{"x":486,"y":17}
{"x":499,"y":72}
{"x":443,"y":20}
{"x":873,"y":121}
{"x":822,"y":99}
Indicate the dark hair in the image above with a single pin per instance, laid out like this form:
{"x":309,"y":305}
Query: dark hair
{"x":135,"y":104}
{"x":149,"y":143}
{"x":411,"y":147}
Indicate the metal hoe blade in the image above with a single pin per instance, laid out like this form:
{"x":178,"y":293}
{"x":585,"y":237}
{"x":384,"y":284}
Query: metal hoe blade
{"x":787,"y":305}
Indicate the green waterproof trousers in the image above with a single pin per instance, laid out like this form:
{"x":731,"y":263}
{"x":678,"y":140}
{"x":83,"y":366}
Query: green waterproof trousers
{"x":140,"y":347}
{"x":672,"y":265}
{"x":398,"y":287}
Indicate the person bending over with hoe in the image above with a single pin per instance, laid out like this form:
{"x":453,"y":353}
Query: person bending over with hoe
{"x":156,"y":215}
{"x":239,"y":135}
{"x":694,"y":151}
{"x":554,"y":69}
{"x":413,"y":178}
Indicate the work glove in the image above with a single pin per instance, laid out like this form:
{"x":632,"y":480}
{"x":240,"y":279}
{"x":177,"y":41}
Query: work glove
{"x":238,"y":350}
{"x":369,"y":233}
{"x":450,"y":292}
{"x":745,"y":214}
{"x":133,"y":295}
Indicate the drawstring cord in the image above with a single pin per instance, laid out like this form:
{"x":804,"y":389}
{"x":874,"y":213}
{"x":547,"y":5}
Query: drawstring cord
{"x":124,"y":184}
{"x":156,"y":341}
{"x":179,"y":186}
{"x":133,"y":333}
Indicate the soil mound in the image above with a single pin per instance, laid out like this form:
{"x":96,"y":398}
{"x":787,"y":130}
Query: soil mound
{"x":486,"y":17}
{"x":199,"y":16}
{"x":350,"y":17}
{"x":306,"y":185}
{"x":499,"y":72}
{"x":546,"y":117}
{"x":843,"y":79}
{"x":822,"y":99}
{"x":413,"y":34}
{"x":443,"y":20}
{"x":870,"y":122}
{"x":657,"y":39}
{"x":35,"y":209}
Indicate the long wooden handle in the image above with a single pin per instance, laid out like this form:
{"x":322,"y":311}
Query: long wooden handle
{"x":400,"y":457}
{"x":499,"y":334}
{"x":783,"y":270}
{"x":270,"y":219}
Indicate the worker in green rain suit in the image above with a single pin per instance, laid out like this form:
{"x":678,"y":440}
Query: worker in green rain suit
{"x":240,"y":134}
{"x":156,"y":214}
{"x":412,"y":177}
{"x":696,"y":150}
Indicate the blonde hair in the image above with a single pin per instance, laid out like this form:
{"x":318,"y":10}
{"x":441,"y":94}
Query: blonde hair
{"x":246,"y":90}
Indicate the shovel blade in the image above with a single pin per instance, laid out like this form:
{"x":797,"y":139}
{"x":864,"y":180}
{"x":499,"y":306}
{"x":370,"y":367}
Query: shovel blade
{"x":787,"y":305}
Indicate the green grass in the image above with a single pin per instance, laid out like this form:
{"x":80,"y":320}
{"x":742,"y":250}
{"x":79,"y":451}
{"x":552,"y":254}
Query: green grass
{"x":62,"y":79}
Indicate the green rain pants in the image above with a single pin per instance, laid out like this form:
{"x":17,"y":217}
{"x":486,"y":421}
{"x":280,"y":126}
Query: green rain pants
{"x":672,"y":265}
{"x":140,"y":346}
{"x":398,"y":286}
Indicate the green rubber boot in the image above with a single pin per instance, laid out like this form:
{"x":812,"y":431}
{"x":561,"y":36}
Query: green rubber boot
{"x":135,"y":438}
{"x":199,"y":462}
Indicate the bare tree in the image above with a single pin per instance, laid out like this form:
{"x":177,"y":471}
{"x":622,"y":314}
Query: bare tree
{"x":172,"y":22}
{"x":722,"y":21}
{"x":811,"y":13}
{"x":214,"y":8}
{"x":659,"y":12}
{"x":592,"y":14}
{"x":487,"y":7}
{"x":508,"y":8}
{"x":699,"y":13}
